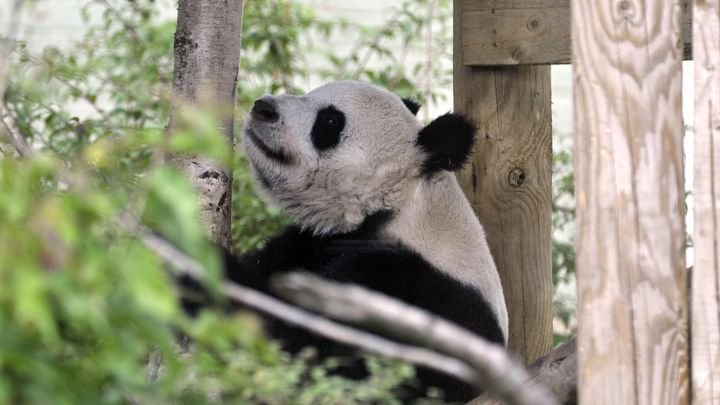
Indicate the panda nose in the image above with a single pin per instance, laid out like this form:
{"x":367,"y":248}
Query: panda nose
{"x":264,"y":111}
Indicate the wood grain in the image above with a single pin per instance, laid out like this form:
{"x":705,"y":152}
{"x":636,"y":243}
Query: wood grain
{"x":706,"y":272}
{"x":516,"y":32}
{"x":508,"y":184}
{"x":516,"y":36}
{"x":630,"y":202}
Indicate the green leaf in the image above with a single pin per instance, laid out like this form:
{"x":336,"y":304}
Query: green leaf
{"x":148,"y":283}
{"x":32,"y":307}
{"x":198,"y":133}
{"x":172,"y":209}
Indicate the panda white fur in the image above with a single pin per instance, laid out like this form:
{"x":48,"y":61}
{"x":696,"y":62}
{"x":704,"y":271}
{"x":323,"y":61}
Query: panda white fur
{"x":376,"y":203}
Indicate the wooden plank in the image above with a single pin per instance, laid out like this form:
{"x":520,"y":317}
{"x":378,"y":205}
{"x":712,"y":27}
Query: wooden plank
{"x":482,"y":5}
{"x":706,"y":272}
{"x":515,"y":32}
{"x":517,"y":36}
{"x":632,"y":317}
{"x":509,"y":185}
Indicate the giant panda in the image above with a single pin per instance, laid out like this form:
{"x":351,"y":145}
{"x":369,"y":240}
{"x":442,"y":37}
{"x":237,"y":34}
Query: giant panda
{"x":375,"y":202}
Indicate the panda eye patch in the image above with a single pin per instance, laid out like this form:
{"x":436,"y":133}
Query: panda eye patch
{"x":328,"y":126}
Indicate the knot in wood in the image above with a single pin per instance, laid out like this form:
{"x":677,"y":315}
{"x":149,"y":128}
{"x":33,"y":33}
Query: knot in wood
{"x":533,"y":24}
{"x":625,"y":8}
{"x":516,"y":177}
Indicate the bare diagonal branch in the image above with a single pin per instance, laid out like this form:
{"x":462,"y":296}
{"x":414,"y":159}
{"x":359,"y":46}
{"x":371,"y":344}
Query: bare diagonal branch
{"x":483,"y":364}
{"x":315,"y":323}
{"x":12,"y":133}
{"x":499,"y":374}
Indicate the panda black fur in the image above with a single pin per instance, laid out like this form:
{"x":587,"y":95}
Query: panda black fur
{"x":375,"y":202}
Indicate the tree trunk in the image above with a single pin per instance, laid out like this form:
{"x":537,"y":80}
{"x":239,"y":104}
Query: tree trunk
{"x":207,"y":54}
{"x":508,"y":180}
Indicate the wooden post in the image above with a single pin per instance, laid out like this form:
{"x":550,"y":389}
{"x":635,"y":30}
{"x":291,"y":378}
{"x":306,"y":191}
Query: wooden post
{"x":706,"y":272}
{"x":508,"y":184}
{"x":632,"y":336}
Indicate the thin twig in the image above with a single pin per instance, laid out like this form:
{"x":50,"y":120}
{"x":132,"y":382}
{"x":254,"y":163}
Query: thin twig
{"x":400,"y":63}
{"x":428,"y":59}
{"x":129,"y":27}
{"x":9,"y":44}
{"x":564,"y":209}
{"x":13,"y":134}
{"x":351,"y":303}
{"x":285,"y":70}
{"x":370,"y":47}
{"x":84,"y":95}
{"x":16,"y":140}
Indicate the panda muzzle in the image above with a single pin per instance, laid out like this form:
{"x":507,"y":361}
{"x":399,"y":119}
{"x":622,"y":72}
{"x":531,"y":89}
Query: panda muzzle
{"x":264,"y":110}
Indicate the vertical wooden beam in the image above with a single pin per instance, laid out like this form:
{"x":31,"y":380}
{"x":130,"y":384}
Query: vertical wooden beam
{"x":630,"y":209}
{"x":508,"y":184}
{"x":706,"y":272}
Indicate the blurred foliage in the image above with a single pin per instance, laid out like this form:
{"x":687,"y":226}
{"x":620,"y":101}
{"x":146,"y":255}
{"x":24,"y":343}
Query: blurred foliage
{"x":285,"y":47}
{"x":563,"y":238}
{"x":83,"y":303}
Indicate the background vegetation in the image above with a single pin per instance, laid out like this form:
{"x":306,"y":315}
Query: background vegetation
{"x":83,"y":304}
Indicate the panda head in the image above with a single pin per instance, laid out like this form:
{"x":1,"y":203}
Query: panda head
{"x":347,"y":150}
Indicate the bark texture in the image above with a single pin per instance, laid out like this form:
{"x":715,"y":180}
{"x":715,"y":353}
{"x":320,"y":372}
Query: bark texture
{"x":207,"y":54}
{"x":508,"y":180}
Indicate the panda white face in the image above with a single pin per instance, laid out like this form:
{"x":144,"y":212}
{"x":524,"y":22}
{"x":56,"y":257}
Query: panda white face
{"x":335,"y":155}
{"x":347,"y":150}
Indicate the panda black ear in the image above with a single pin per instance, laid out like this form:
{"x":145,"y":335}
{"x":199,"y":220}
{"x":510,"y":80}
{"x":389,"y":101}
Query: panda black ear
{"x":447,"y":141}
{"x":412,"y":105}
